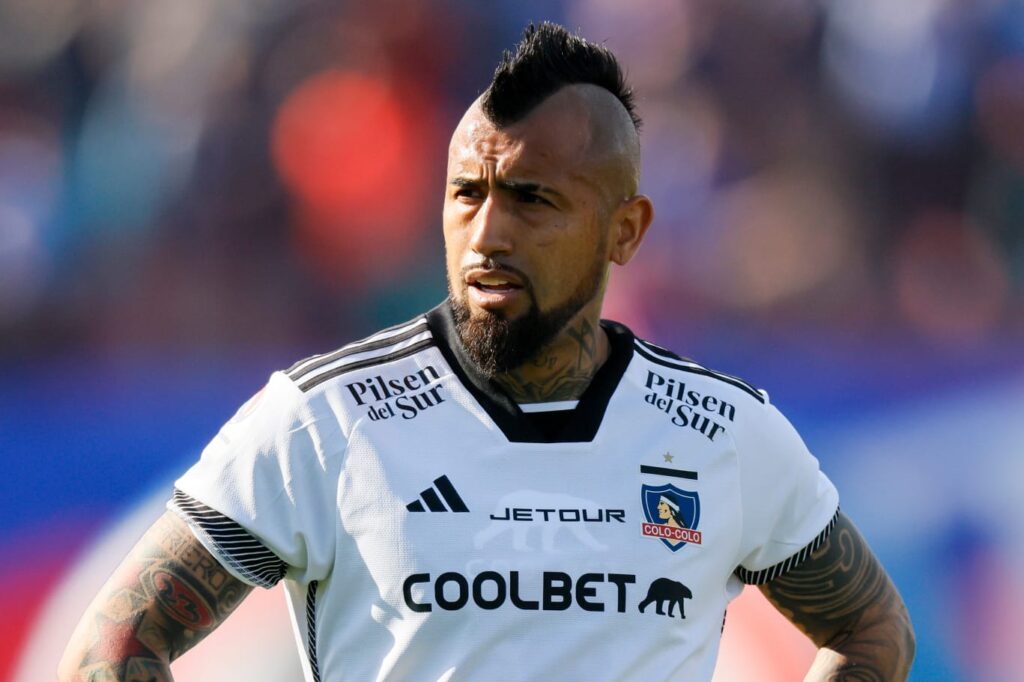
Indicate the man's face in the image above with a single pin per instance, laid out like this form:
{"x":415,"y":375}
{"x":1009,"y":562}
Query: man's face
{"x":526,"y":221}
{"x":663,"y":511}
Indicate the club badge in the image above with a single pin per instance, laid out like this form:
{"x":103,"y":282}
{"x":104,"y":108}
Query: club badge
{"x":672,"y":515}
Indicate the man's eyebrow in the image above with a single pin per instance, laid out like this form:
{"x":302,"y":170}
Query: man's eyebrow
{"x":509,"y":186}
{"x":528,"y":188}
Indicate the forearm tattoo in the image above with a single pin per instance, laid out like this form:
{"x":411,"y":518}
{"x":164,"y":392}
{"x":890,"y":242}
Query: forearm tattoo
{"x":557,"y":375}
{"x":165,"y":597}
{"x":845,"y":602}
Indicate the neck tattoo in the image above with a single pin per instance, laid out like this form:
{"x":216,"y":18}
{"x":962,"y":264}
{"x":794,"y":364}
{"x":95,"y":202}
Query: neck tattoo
{"x":562,"y":371}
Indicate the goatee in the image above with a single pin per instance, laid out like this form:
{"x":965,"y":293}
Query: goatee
{"x":497,"y":345}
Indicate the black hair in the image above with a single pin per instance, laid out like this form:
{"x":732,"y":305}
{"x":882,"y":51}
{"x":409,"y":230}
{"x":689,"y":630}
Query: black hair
{"x":675,"y":512}
{"x":546,"y":59}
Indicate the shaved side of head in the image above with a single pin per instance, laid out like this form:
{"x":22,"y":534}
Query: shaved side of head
{"x":614,"y":142}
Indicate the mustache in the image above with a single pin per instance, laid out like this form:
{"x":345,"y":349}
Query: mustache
{"x":495,"y":267}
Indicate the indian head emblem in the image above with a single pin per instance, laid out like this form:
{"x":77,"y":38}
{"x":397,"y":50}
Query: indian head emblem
{"x":672,"y":515}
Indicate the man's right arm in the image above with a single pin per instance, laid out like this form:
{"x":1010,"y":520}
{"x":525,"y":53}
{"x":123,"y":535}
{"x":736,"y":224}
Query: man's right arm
{"x":166,"y":595}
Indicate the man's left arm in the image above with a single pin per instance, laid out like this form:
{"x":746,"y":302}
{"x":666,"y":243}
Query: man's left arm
{"x":843,"y":599}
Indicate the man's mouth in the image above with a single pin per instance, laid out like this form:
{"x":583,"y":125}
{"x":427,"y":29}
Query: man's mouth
{"x":493,"y":279}
{"x":493,"y":289}
{"x":494,"y":283}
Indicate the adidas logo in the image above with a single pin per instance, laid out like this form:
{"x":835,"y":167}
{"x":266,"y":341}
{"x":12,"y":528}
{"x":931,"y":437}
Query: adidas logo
{"x":430,"y":496}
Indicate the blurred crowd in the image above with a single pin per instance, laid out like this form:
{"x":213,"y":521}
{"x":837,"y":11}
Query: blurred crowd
{"x":200,"y":174}
{"x":201,"y":177}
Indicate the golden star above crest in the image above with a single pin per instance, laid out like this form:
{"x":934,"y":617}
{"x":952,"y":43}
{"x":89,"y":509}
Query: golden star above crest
{"x":668,"y":457}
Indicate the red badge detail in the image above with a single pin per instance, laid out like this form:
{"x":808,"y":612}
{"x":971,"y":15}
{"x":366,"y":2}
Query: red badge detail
{"x":660,"y":530}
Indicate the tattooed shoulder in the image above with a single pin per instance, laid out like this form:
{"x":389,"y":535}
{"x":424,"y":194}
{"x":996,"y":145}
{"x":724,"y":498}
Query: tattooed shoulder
{"x":166,"y":595}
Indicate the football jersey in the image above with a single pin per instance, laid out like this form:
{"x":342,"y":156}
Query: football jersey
{"x":427,"y":529}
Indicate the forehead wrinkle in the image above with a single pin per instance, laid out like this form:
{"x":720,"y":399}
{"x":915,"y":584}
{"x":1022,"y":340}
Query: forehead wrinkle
{"x":477,"y":143}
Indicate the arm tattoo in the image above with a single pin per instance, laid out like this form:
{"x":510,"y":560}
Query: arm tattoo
{"x":165,"y":597}
{"x":553,"y":376}
{"x":845,"y":602}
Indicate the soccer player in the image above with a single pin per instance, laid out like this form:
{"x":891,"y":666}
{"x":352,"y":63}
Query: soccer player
{"x":398,"y":485}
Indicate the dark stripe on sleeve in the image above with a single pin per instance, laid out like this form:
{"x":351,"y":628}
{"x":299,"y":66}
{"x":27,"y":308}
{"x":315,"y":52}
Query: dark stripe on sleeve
{"x":311,"y":629}
{"x":773,"y":572}
{"x":235,"y":545}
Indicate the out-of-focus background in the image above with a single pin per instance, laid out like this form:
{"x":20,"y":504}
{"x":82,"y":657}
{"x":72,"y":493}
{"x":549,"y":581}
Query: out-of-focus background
{"x":195,"y":192}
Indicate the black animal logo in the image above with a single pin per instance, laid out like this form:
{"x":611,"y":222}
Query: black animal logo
{"x":665,"y":590}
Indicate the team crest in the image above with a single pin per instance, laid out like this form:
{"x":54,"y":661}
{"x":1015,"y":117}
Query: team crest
{"x":672,"y":515}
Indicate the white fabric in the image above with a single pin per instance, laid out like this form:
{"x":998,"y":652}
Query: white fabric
{"x":326,"y":486}
{"x":554,"y":406}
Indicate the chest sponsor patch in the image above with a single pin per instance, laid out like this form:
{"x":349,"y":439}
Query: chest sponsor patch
{"x":672,"y":515}
{"x":384,"y":397}
{"x":548,"y":591}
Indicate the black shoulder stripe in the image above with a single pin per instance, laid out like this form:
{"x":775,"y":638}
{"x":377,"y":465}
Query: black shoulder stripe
{"x":235,"y":545}
{"x":773,"y":572}
{"x":368,"y":362}
{"x":664,"y":352}
{"x":692,"y":369}
{"x":304,"y":367}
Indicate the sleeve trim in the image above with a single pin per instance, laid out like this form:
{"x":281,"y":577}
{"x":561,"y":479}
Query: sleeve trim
{"x":772,"y":572}
{"x":243,"y":553}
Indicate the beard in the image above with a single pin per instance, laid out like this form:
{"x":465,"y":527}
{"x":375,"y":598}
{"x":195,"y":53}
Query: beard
{"x":497,"y":344}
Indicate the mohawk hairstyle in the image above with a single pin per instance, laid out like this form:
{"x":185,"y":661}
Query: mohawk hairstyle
{"x":546,"y":59}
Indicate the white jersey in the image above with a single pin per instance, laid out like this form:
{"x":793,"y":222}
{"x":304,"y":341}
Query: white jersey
{"x":428,"y":529}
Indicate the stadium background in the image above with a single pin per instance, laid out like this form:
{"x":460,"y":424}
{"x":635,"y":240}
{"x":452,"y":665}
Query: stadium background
{"x":194,"y":193}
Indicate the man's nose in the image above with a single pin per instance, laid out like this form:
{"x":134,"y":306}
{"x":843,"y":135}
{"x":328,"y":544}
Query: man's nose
{"x":493,"y":230}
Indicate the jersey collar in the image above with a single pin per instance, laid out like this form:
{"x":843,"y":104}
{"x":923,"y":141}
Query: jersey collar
{"x":581,"y":424}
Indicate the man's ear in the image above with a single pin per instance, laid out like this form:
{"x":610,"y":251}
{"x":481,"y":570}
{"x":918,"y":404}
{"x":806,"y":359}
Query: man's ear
{"x":629,"y":225}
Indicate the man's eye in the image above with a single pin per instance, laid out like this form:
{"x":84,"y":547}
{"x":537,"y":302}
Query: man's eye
{"x":467,"y":193}
{"x":531,"y":198}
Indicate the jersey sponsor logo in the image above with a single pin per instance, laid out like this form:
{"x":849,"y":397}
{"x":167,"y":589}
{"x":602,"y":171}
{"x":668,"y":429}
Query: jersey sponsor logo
{"x":560,"y":515}
{"x":556,"y":591}
{"x":553,"y":591}
{"x":406,"y":396}
{"x":704,"y":413}
{"x":672,"y":515}
{"x":533,"y":520}
{"x":666,"y":591}
{"x":432,"y":498}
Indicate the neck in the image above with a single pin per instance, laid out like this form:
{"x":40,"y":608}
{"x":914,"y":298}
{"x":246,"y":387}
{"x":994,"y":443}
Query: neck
{"x":564,"y":369}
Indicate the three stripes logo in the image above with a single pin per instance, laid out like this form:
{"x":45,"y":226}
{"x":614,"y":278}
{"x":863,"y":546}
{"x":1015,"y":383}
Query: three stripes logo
{"x":434,"y":501}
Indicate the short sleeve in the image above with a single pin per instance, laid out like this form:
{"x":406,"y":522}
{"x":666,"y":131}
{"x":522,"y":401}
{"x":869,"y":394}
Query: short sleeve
{"x":789,"y":505}
{"x":261,"y":498}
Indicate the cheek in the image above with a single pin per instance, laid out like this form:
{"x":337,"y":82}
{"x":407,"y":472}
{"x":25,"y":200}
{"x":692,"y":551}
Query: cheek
{"x":453,"y":264}
{"x":454,"y":238}
{"x":454,"y":248}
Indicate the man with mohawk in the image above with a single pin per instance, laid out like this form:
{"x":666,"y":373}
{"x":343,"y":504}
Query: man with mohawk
{"x":374,"y":480}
